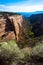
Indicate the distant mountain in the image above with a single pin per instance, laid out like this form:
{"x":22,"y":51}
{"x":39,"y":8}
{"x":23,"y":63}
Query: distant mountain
{"x":38,"y":12}
{"x":25,"y":14}
{"x":28,"y":14}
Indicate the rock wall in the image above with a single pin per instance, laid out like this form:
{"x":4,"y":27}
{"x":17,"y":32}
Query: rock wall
{"x":36,"y":21}
{"x":10,"y":27}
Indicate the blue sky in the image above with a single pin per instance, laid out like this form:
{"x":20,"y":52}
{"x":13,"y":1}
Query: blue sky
{"x":21,"y":5}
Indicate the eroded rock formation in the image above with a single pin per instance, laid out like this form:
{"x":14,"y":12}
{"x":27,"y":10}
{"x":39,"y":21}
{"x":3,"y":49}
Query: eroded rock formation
{"x":10,"y":27}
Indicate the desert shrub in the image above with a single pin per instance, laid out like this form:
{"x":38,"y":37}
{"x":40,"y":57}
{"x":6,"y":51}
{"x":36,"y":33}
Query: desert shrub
{"x":37,"y":50}
{"x":11,"y":54}
{"x":27,"y":52}
{"x":9,"y":51}
{"x":12,"y":47}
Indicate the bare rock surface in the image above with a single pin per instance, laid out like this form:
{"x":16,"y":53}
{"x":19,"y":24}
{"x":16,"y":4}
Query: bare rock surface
{"x":10,"y":27}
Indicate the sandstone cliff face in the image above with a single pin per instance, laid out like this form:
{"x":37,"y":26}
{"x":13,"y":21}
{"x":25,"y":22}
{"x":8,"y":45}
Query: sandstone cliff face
{"x":10,"y":27}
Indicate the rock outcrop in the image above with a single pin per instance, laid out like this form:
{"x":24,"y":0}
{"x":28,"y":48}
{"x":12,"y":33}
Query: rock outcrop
{"x":10,"y":26}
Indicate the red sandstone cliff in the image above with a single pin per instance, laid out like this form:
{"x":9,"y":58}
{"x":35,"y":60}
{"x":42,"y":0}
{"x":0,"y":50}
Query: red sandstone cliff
{"x":10,"y":27}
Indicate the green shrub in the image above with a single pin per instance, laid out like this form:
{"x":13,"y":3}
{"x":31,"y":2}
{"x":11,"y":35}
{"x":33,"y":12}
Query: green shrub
{"x":27,"y":52}
{"x":12,"y":48}
{"x":31,"y":34}
{"x":9,"y":51}
{"x":37,"y":50}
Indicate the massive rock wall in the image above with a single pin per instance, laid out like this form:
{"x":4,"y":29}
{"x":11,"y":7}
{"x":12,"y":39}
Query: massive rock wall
{"x":10,"y":27}
{"x":36,"y":21}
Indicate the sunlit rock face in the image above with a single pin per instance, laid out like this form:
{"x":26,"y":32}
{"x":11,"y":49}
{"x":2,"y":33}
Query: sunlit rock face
{"x":17,"y":21}
{"x":2,"y":26}
{"x":10,"y":27}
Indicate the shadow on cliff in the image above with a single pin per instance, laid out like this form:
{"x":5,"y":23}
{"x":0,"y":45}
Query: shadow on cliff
{"x":36,"y":20}
{"x":9,"y":27}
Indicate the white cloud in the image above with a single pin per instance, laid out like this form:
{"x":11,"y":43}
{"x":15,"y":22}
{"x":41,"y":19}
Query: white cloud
{"x":2,"y":5}
{"x":15,"y":8}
